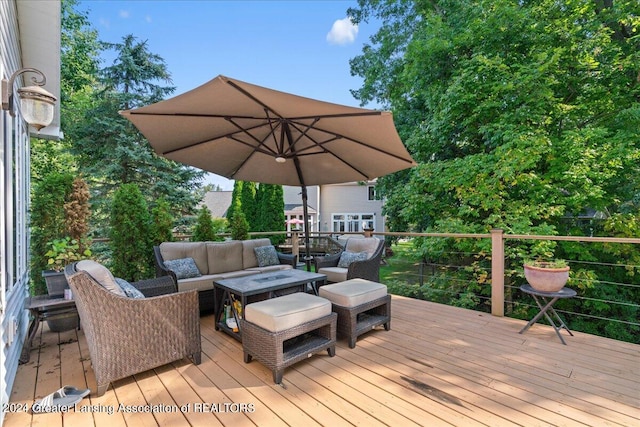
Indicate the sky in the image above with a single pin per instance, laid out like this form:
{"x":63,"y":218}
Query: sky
{"x":302,"y":47}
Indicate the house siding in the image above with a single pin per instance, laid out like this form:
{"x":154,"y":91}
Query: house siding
{"x":349,"y":198}
{"x":14,"y":171}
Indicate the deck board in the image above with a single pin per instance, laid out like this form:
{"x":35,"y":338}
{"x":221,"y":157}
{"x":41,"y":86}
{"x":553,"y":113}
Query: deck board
{"x":438,"y":366}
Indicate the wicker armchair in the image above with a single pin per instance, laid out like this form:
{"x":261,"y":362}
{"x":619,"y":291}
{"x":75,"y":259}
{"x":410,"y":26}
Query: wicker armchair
{"x":368,"y":269}
{"x":126,"y":336}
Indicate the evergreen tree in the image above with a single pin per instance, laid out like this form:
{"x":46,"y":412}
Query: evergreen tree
{"x":239,"y":226}
{"x":248,"y":204}
{"x":112,"y":151}
{"x":271,"y":211}
{"x":47,"y":222}
{"x":204,"y":230}
{"x":161,"y":223}
{"x":236,"y":200}
{"x":130,"y":234}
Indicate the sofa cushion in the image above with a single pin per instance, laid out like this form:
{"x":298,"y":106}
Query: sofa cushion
{"x":202,"y":283}
{"x":270,"y":268}
{"x":183,"y":267}
{"x":285,"y":312}
{"x":353,"y":293}
{"x":238,"y":273}
{"x":224,"y":256}
{"x":249,"y":259}
{"x":100,"y":274}
{"x":178,"y":250}
{"x":347,"y":257}
{"x":266,"y":256}
{"x":366,"y":244}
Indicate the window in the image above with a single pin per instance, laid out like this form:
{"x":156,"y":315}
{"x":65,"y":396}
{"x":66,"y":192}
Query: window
{"x":352,"y":223}
{"x":372,"y":192}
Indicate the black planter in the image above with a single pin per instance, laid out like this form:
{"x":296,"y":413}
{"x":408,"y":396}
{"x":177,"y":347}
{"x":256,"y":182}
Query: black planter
{"x":56,"y":284}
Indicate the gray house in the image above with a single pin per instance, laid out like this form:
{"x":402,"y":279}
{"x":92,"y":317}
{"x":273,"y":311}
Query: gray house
{"x":29,"y":38}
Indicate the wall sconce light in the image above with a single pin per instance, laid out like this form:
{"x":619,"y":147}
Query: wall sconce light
{"x":36,"y":104}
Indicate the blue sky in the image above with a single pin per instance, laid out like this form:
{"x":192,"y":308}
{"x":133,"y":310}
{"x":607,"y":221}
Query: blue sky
{"x":301,"y":47}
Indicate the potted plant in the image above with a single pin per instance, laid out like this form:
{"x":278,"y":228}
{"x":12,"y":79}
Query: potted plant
{"x":546,"y":276}
{"x":62,"y":252}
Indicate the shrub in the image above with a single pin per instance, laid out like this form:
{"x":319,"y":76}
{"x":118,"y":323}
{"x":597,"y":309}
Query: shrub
{"x":239,"y":226}
{"x":47,"y":222}
{"x":130,"y":234}
{"x":161,"y":223}
{"x":204,"y":229}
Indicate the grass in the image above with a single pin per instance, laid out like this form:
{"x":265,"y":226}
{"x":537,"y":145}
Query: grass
{"x":401,"y":267}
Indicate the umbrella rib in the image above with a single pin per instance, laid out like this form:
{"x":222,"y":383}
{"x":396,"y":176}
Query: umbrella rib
{"x":253,"y":98}
{"x":339,"y":136}
{"x":228,"y":135}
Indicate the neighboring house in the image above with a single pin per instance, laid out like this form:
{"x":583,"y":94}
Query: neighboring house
{"x":350,"y":207}
{"x":29,"y":37}
{"x":335,"y":208}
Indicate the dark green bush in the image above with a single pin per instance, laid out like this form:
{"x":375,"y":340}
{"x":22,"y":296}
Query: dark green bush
{"x":130,"y":234}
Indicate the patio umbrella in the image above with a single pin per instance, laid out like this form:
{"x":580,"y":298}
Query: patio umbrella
{"x":251,"y":133}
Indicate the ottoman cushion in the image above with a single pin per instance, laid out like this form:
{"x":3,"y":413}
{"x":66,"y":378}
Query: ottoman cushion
{"x":354,"y":292}
{"x":285,"y":312}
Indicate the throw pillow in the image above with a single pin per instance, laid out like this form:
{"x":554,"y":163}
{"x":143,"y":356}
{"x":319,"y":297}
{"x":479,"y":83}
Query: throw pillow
{"x":128,"y":289}
{"x":347,"y":258}
{"x":184,"y":268}
{"x":266,"y":256}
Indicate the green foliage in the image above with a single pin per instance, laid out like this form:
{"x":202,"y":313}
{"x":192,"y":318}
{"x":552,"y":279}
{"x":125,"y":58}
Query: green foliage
{"x":239,"y":226}
{"x":271,"y":211}
{"x":161,"y":223}
{"x":47,"y":222}
{"x":522,"y":115}
{"x":236,"y":200}
{"x":130,"y":234}
{"x":65,"y":251}
{"x":248,"y":204}
{"x":112,"y":151}
{"x":205,"y":230}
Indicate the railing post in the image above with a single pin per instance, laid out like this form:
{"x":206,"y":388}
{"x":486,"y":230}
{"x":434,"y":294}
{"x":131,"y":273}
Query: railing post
{"x":497,"y":273}
{"x":295,"y":244}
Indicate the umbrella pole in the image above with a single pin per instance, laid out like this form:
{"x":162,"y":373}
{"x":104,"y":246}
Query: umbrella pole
{"x":305,"y":209}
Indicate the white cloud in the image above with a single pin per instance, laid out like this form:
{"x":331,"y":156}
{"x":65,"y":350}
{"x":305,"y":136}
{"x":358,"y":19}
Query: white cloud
{"x":343,"y":31}
{"x":124,"y":14}
{"x":148,"y":19}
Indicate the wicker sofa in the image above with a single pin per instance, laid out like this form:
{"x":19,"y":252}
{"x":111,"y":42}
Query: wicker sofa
{"x":214,"y":261}
{"x":127,"y":335}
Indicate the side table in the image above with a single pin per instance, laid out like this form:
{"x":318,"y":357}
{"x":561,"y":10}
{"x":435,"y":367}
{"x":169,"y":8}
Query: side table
{"x":548,"y":298}
{"x":43,"y":307}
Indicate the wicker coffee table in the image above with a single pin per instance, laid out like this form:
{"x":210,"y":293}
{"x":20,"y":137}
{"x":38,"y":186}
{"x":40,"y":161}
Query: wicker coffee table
{"x":257,"y":287}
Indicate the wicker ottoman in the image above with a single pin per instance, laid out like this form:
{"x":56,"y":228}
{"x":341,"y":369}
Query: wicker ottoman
{"x":285,"y":330}
{"x":361,"y":306}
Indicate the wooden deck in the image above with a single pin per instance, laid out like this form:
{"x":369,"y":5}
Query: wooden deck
{"x":438,"y":366}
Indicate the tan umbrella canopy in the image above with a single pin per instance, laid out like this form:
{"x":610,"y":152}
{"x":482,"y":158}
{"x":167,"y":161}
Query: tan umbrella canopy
{"x":251,"y":133}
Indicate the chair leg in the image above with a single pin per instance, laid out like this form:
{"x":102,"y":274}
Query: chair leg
{"x":102,"y":389}
{"x":196,"y":358}
{"x":277,"y":375}
{"x":332,"y":351}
